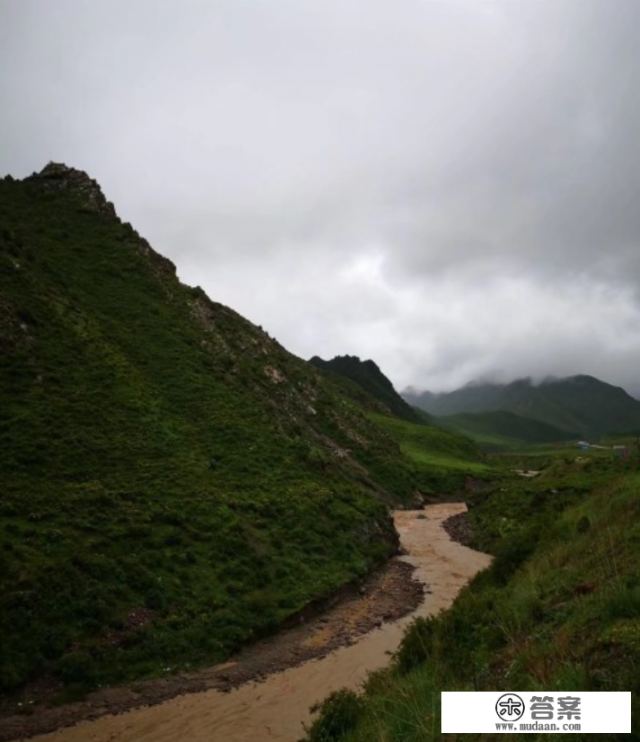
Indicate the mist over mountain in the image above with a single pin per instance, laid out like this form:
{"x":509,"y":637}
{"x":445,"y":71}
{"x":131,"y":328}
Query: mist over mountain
{"x":581,"y":404}
{"x":440,"y":196}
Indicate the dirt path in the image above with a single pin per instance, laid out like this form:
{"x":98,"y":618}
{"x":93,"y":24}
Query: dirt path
{"x":276,"y":708}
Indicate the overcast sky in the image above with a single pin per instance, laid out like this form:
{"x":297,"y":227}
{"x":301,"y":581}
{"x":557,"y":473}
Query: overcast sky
{"x":449,"y":187}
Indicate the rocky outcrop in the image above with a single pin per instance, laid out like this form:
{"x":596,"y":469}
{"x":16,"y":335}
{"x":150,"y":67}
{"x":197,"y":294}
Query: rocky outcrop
{"x":60,"y":177}
{"x":56,"y":176}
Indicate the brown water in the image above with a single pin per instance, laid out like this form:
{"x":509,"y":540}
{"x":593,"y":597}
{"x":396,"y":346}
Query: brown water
{"x":275,"y":709}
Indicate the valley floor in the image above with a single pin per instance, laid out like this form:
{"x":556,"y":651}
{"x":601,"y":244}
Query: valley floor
{"x":347,"y":641}
{"x":558,"y":609}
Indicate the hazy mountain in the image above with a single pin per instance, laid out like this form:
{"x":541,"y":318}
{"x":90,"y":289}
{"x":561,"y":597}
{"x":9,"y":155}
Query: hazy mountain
{"x":368,"y":376}
{"x":577,"y":404}
{"x":489,"y":427}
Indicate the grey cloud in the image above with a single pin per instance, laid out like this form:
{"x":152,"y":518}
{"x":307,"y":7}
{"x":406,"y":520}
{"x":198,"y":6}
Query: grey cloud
{"x":446,"y":186}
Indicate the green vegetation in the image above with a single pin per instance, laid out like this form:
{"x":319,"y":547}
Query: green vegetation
{"x":441,"y":459}
{"x":559,"y":609}
{"x":175,"y":483}
{"x":501,"y":430}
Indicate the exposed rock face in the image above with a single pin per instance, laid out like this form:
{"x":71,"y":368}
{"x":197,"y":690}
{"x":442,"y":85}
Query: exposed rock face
{"x":59,"y":176}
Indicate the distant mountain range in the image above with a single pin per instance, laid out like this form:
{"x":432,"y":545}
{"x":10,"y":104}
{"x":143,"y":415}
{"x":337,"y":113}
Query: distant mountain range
{"x":500,"y":429}
{"x":574,"y":406}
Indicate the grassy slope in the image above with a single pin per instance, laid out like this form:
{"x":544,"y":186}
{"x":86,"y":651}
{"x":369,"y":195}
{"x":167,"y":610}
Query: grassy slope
{"x":505,"y":430}
{"x":558,"y":610}
{"x":166,"y":495}
{"x":441,"y":459}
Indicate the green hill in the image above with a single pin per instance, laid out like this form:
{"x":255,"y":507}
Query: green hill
{"x":175,"y":483}
{"x":502,"y":429}
{"x":579,"y":404}
{"x":368,"y":376}
{"x":441,"y":460}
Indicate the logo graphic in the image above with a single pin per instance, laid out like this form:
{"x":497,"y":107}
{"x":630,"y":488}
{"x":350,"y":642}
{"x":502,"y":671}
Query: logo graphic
{"x":510,"y":707}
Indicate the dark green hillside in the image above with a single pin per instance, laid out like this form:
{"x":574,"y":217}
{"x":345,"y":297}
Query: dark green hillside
{"x":368,"y":375}
{"x":499,"y":429}
{"x":601,"y":407}
{"x":175,"y":483}
{"x":578,"y":403}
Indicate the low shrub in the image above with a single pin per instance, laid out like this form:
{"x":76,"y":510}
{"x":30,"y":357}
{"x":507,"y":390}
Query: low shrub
{"x":339,"y":714}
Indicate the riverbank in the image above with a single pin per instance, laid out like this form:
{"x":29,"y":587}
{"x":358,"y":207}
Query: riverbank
{"x":384,"y":597}
{"x":266,"y":692}
{"x":558,"y":608}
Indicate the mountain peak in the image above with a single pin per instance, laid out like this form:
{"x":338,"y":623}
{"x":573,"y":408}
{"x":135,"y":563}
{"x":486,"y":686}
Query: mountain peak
{"x":368,"y":376}
{"x":58,"y":176}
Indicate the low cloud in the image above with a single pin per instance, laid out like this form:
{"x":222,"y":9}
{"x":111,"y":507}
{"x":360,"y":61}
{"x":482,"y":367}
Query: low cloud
{"x":447,"y":187}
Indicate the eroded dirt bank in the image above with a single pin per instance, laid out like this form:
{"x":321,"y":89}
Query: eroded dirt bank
{"x":334,"y":650}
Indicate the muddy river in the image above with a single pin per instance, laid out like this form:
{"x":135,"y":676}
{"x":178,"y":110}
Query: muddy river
{"x":276,"y":708}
